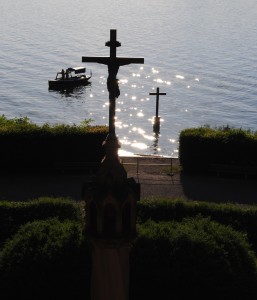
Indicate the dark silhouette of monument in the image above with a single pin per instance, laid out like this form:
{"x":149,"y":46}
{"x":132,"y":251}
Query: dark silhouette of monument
{"x":156,"y":125}
{"x":111,"y":200}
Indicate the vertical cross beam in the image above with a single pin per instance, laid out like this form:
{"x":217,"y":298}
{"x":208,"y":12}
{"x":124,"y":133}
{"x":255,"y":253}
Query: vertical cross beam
{"x":113,"y":44}
{"x":113,"y":62}
{"x":112,"y":81}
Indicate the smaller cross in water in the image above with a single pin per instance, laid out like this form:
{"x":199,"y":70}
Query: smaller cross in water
{"x":156,"y":126}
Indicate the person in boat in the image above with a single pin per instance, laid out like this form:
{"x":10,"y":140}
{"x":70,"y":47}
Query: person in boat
{"x":67,"y":74}
{"x":63,"y":74}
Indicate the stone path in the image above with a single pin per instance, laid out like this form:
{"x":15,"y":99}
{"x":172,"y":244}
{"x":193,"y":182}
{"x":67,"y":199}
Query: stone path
{"x":154,"y":175}
{"x":155,"y":179}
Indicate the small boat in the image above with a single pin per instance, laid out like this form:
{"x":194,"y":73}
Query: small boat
{"x":69,"y":78}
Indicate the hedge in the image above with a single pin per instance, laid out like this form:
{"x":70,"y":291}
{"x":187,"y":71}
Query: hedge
{"x":30,"y":147}
{"x":15,"y":214}
{"x":46,"y":259}
{"x":241,"y":218}
{"x":193,"y":259}
{"x":201,"y":147}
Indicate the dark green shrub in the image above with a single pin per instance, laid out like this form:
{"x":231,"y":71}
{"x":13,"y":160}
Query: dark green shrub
{"x":15,"y":214}
{"x":193,"y":259}
{"x":241,"y":218}
{"x":27,"y":147}
{"x":46,"y":260}
{"x":200,"y":147}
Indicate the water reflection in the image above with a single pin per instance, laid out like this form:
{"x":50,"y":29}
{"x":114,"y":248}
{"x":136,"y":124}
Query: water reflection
{"x":122,"y":152}
{"x":134,"y":114}
{"x":155,"y":147}
{"x":138,"y":145}
{"x":134,"y":109}
{"x":140,"y":114}
{"x":154,"y":71}
{"x":75,"y":92}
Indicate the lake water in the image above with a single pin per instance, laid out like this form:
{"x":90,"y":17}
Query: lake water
{"x":201,"y":53}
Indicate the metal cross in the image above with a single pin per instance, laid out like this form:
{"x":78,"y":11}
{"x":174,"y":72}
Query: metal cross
{"x":113,"y":62}
{"x":157,"y":100}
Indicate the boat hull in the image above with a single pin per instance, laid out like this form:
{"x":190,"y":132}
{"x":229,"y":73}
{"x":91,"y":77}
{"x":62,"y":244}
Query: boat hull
{"x":58,"y":84}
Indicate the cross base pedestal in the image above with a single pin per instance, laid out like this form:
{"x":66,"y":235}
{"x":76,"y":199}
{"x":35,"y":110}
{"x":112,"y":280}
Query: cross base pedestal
{"x":111,"y":170}
{"x":110,"y":227}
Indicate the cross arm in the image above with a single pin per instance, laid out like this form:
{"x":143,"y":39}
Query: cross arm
{"x":121,"y":61}
{"x":157,"y":94}
{"x":126,"y":60}
{"x":99,"y":59}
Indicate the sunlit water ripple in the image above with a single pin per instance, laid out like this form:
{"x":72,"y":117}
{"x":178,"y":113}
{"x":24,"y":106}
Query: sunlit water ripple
{"x":202,"y":54}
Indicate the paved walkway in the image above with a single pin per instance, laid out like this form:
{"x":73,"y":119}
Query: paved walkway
{"x":154,"y":175}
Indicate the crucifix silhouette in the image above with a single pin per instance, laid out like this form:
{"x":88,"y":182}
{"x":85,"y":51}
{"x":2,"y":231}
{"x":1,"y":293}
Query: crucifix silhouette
{"x":156,"y":126}
{"x":113,"y":62}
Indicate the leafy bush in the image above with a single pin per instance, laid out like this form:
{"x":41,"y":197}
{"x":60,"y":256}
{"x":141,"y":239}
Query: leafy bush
{"x":200,"y":147}
{"x":15,"y":214}
{"x":24,"y":124}
{"x":241,"y":218}
{"x":26,"y":146}
{"x":46,"y":260}
{"x":187,"y":258}
{"x":194,"y":259}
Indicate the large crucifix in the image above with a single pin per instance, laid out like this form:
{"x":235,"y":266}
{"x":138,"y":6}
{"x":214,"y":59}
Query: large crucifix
{"x":113,"y":62}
